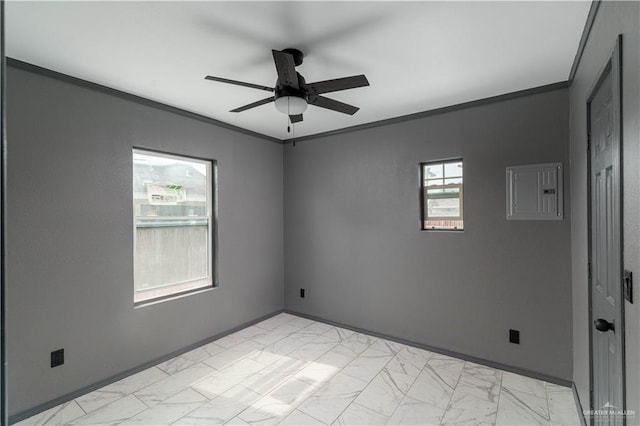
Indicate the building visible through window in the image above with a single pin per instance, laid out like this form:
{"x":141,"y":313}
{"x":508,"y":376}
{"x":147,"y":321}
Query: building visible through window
{"x":173,"y":221}
{"x":442,"y":206}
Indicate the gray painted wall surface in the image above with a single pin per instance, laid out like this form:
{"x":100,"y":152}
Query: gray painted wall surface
{"x":70,"y":236}
{"x":613,"y":18}
{"x":353,"y":239}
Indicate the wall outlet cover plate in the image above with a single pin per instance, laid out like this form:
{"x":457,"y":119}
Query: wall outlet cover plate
{"x":628,"y":286}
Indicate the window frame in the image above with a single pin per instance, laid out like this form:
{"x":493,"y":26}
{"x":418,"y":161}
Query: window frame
{"x":423,"y":195}
{"x":212,"y":234}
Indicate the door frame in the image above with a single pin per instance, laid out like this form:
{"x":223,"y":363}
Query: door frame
{"x":4,"y":412}
{"x":613,"y":66}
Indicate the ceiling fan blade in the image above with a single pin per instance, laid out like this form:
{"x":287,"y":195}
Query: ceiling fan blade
{"x":239,"y":83}
{"x":295,"y":118}
{"x":333,"y":105}
{"x":286,"y":68}
{"x":337,"y":84}
{"x":253,"y":105}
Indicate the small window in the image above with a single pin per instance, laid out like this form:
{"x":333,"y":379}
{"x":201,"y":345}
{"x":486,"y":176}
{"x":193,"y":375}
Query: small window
{"x":172,"y":204}
{"x":441,"y":195}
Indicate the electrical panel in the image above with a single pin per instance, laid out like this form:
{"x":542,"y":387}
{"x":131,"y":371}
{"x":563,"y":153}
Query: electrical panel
{"x":534,"y":192}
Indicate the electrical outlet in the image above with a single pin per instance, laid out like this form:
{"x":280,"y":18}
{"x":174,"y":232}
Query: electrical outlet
{"x":57,"y":358}
{"x":302,"y":293}
{"x":514,"y":336}
{"x":628,"y":286}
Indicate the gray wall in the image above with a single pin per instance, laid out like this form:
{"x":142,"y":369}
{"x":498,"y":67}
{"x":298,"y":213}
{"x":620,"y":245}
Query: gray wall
{"x":613,"y":18}
{"x":70,"y":233}
{"x":353,"y":238}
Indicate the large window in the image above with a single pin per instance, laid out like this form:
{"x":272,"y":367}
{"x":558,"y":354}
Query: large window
{"x":173,"y":201}
{"x":442,"y":195}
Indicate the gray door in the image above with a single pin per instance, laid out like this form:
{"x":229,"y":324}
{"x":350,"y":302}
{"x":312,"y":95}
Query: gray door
{"x":606,"y":295}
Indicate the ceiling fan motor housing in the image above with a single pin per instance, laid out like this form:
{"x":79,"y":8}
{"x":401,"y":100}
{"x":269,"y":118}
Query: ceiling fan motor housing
{"x":290,"y":91}
{"x":291,"y":100}
{"x":299,"y":92}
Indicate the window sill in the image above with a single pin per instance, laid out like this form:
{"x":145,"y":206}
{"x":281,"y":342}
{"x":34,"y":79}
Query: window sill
{"x":174,"y":296}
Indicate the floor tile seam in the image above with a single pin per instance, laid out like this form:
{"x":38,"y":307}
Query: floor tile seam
{"x":338,"y":372}
{"x":266,"y":329}
{"x":251,"y":357}
{"x":182,"y":369}
{"x":285,"y":379}
{"x":123,"y":394}
{"x":527,"y":393}
{"x":365,"y":407}
{"x":546,"y":394}
{"x":452,"y":392}
{"x":208,"y":400}
{"x":274,"y":342}
{"x":138,"y":412}
{"x":295,"y":407}
{"x":545,"y":397}
{"x":343,"y":410}
{"x":510,"y":388}
{"x":218,"y":370}
{"x":96,"y":409}
{"x":306,"y":414}
{"x":464,"y":385}
{"x":401,"y":372}
{"x":83,"y":410}
{"x":143,"y":403}
{"x":398,"y":406}
{"x":499,"y":397}
{"x":355,"y":377}
{"x":500,"y":392}
{"x":248,"y":406}
{"x":59,"y":410}
{"x":189,"y":386}
{"x":316,"y":358}
{"x":404,"y":394}
{"x":200,"y":393}
{"x":201,"y":404}
{"x":478,"y":398}
{"x":277,"y":386}
{"x":367,"y":385}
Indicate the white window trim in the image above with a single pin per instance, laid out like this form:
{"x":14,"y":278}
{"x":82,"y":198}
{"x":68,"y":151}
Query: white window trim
{"x":209,"y":281}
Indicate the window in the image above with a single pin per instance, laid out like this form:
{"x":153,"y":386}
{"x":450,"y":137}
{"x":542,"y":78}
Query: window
{"x":442,"y":195}
{"x":173,"y":200}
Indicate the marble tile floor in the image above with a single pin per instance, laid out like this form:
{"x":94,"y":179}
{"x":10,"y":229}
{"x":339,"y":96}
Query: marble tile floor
{"x":289,"y":370}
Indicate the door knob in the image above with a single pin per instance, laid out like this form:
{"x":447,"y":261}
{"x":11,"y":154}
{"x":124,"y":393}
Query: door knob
{"x":603,"y":325}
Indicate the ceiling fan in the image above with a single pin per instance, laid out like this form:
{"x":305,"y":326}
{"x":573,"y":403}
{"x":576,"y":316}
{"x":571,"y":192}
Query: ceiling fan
{"x":292,"y":93}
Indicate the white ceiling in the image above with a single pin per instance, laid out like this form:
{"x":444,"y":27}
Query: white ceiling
{"x":417,"y":56}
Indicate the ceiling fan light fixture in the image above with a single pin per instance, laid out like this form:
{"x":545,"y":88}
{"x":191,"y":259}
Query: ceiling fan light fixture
{"x":291,"y":105}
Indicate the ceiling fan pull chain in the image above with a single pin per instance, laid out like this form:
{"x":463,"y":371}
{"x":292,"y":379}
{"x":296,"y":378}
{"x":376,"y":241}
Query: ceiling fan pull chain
{"x":288,"y":115}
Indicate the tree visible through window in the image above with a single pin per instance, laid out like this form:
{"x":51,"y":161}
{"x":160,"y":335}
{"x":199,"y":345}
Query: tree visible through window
{"x":442,"y":195}
{"x":173,"y":203}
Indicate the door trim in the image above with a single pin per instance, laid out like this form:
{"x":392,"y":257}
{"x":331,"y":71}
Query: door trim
{"x":613,"y":66}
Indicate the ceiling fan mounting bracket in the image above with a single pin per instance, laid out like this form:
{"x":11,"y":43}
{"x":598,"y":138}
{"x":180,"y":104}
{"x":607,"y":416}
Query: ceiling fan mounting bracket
{"x":297,"y":55}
